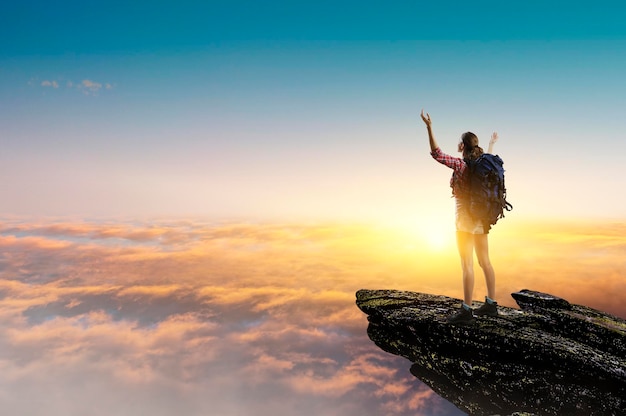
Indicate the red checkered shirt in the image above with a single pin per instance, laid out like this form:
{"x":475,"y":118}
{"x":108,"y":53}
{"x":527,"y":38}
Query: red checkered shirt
{"x":458,"y":165}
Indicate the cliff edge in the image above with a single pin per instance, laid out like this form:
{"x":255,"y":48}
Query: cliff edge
{"x":549,"y":357}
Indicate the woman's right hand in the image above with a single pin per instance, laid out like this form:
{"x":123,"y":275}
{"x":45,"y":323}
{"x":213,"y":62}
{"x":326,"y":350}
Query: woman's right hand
{"x":426,"y":118}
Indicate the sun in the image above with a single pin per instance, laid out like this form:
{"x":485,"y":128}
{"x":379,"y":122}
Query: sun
{"x":436,"y":234}
{"x":436,"y":240}
{"x":433,"y":234}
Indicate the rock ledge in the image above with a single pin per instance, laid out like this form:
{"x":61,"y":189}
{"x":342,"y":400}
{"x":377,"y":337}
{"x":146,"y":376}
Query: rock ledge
{"x":548,"y":358}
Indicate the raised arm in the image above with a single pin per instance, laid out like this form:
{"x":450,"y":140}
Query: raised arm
{"x":431,"y":137}
{"x":494,"y":139}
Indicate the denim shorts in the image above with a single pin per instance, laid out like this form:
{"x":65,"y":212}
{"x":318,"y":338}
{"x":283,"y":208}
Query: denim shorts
{"x":465,"y":222}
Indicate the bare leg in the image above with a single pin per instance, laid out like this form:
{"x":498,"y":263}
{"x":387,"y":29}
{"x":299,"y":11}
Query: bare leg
{"x":481,"y":244}
{"x":465,"y":244}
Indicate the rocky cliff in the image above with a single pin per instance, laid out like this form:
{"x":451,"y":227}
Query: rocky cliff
{"x":548,"y":358}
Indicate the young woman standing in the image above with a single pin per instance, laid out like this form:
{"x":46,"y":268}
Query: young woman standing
{"x":471,"y":235}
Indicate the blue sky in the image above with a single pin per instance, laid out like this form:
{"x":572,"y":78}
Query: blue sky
{"x":39,"y":27}
{"x":271,"y":110}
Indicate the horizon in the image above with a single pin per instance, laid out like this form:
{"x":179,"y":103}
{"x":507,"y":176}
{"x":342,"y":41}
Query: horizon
{"x":529,"y":248}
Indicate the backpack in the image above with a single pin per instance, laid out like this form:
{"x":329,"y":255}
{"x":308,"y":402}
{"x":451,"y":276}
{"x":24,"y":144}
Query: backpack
{"x":487,"y":193}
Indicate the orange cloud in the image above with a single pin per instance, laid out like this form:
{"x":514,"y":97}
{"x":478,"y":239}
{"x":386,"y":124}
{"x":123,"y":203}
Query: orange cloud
{"x":246,"y":318}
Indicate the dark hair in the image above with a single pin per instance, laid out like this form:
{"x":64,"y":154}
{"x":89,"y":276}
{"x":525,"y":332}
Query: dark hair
{"x":471,"y":149}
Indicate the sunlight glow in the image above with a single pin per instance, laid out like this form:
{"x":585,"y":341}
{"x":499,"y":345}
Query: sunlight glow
{"x":435,"y":234}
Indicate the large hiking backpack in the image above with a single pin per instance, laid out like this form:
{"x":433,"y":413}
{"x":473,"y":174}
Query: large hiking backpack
{"x":487,"y":193}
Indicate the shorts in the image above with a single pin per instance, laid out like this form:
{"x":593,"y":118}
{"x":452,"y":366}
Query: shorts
{"x":464,"y":221}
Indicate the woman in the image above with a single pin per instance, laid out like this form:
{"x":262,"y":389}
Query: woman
{"x":471,"y":235}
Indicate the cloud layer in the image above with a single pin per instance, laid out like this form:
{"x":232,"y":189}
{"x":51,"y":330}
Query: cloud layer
{"x":189,"y":319}
{"x":240,"y":319}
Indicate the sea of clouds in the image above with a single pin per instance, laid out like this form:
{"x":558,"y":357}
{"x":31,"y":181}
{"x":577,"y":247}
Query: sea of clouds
{"x":197,"y":318}
{"x":192,"y":319}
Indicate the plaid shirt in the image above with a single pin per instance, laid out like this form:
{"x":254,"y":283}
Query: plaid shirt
{"x":457,"y":182}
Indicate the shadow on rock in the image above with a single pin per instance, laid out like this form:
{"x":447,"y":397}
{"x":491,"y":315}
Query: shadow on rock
{"x":548,"y":358}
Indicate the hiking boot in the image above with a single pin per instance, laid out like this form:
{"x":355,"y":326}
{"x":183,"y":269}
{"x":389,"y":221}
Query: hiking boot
{"x":464,"y":316}
{"x":487,"y":309}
